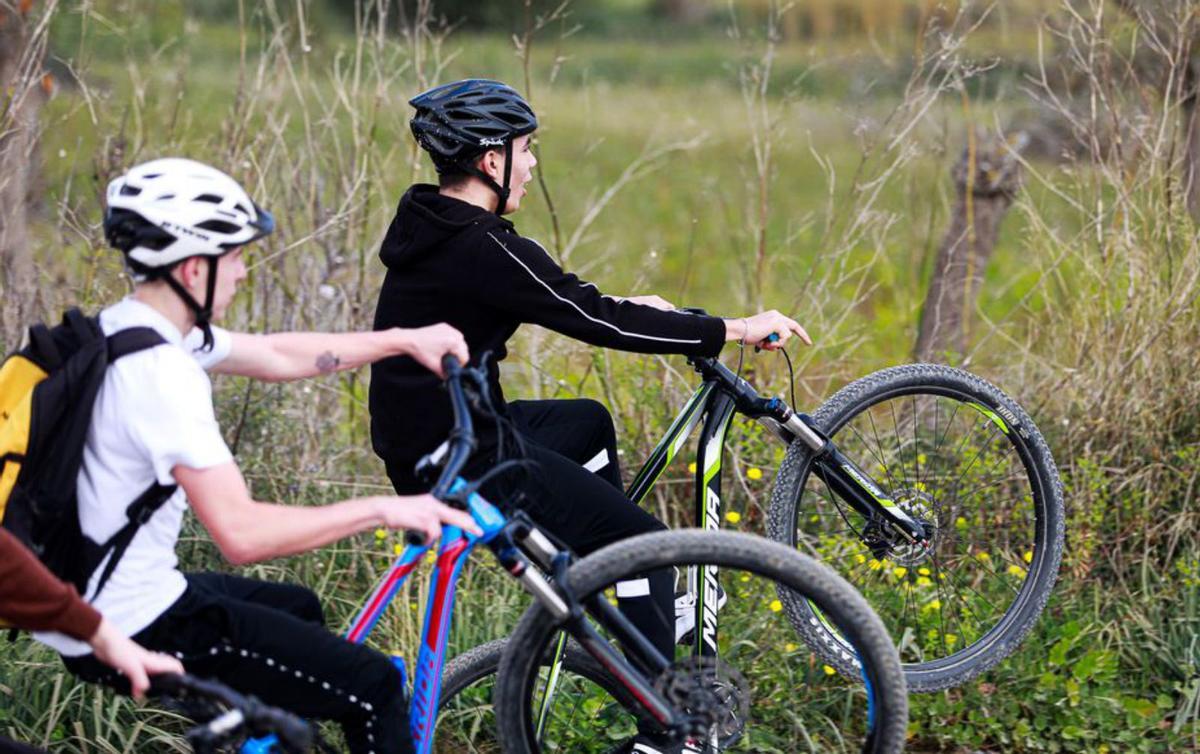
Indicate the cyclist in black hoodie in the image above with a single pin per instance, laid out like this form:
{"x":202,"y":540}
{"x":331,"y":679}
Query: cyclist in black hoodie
{"x":452,"y":257}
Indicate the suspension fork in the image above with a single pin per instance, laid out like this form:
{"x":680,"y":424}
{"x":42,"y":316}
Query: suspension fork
{"x":848,"y":480}
{"x":557,"y":596}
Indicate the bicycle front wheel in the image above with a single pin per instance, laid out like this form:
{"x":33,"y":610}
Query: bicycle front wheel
{"x":759,"y":691}
{"x":956,"y":453}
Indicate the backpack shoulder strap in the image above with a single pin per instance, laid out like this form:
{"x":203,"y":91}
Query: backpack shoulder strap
{"x":138,"y":514}
{"x":43,"y":348}
{"x":132,"y":340}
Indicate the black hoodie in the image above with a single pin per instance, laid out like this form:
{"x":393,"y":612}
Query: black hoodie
{"x":450,"y":261}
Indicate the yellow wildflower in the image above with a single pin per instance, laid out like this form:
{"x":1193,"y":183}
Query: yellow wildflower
{"x":1015,"y":570}
{"x":828,"y":670}
{"x":923,"y":571}
{"x":733,"y":517}
{"x":754,"y":473}
{"x":923,"y":581}
{"x":381,"y":534}
{"x":900,"y":572}
{"x":692,"y":467}
{"x":776,"y":606}
{"x":1028,"y":557}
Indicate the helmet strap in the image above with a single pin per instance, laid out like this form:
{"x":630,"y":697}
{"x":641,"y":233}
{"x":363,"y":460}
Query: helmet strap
{"x":203,"y":314}
{"x":502,"y":190}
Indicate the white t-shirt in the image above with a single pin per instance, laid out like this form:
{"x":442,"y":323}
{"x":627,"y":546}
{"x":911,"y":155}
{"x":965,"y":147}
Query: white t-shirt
{"x":153,"y":412}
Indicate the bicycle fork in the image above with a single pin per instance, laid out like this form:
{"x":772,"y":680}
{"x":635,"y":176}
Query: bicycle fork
{"x":843,"y":476}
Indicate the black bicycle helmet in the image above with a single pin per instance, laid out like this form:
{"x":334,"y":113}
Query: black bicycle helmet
{"x":457,"y":122}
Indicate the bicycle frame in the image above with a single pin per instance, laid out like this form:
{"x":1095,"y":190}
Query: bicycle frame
{"x":453,"y":550}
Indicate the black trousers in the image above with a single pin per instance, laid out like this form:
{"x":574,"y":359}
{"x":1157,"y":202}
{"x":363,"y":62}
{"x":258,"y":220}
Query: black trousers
{"x":587,"y":509}
{"x":270,"y":640}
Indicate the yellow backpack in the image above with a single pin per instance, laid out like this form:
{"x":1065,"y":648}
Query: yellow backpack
{"x":47,"y":390}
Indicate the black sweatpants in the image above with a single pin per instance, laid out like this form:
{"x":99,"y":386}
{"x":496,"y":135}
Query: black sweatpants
{"x":270,"y":640}
{"x":587,"y":509}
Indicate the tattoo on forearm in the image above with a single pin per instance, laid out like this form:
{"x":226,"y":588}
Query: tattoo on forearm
{"x":328,"y":362}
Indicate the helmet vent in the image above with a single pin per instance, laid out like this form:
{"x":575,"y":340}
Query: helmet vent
{"x":154,"y":239}
{"x":241,"y":209}
{"x":210,"y":198}
{"x":165,"y":197}
{"x":128,"y":190}
{"x":218,"y":226}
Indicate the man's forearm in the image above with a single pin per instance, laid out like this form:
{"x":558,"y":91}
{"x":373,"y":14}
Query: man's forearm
{"x":295,"y":355}
{"x":311,"y":354}
{"x":263,"y":531}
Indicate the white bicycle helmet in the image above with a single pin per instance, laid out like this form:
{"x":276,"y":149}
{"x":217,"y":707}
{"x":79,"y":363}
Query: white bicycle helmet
{"x":164,"y":211}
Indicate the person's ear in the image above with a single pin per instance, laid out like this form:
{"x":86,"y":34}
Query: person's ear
{"x":189,"y":271}
{"x":491,"y":164}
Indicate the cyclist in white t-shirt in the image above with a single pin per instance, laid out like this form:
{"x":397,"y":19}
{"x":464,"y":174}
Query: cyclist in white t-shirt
{"x":181,"y":226}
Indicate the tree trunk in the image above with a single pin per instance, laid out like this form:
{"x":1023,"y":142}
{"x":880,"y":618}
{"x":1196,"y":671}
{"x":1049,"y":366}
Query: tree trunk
{"x":986,"y":178}
{"x":22,"y":49}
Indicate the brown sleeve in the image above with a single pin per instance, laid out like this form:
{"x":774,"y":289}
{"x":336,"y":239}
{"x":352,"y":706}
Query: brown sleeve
{"x":32,"y":598}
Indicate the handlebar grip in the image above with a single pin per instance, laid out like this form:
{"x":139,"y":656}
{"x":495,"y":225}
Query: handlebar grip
{"x":414,"y":537}
{"x":451,"y":365}
{"x":166,"y":683}
{"x":772,"y":338}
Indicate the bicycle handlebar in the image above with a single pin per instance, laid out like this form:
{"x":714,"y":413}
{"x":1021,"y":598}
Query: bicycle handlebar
{"x":462,"y":437}
{"x":245,"y":714}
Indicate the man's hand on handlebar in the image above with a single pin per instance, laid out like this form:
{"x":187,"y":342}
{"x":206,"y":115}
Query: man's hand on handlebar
{"x":758,"y":329}
{"x":429,"y":344}
{"x":134,"y":662}
{"x":422,"y":514}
